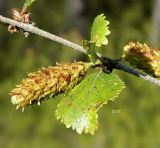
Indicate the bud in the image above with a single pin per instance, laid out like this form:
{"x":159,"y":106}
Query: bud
{"x":48,"y":82}
{"x":143,"y":57}
{"x":21,"y":16}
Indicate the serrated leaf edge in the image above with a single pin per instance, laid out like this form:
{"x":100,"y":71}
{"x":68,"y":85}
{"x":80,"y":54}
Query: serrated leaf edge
{"x":103,"y":103}
{"x":107,"y":32}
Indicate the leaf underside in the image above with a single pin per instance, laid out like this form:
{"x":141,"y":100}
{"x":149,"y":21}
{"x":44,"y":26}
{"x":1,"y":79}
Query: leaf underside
{"x":79,"y":108}
{"x":99,"y":31}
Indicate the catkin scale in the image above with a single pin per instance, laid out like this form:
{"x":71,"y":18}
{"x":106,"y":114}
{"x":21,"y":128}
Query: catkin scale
{"x":48,"y":82}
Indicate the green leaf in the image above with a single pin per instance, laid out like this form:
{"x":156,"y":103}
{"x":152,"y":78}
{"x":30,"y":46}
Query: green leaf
{"x":28,"y":3}
{"x":99,"y":30}
{"x":79,"y":108}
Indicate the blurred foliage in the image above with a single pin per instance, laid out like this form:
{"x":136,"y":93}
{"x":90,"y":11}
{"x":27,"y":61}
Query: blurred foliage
{"x":133,"y":120}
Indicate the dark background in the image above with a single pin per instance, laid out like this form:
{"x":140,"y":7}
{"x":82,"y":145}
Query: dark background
{"x":137,"y":123}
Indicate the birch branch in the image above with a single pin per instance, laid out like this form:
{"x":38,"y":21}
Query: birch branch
{"x":35,"y":30}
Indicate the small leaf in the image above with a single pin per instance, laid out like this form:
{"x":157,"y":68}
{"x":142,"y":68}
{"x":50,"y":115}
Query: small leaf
{"x":79,"y":108}
{"x":99,"y":30}
{"x":28,"y":3}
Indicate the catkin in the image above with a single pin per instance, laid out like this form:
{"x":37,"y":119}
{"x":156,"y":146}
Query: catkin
{"x":48,"y":82}
{"x":143,"y":57}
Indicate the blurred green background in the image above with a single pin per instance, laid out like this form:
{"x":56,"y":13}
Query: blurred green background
{"x":137,"y":121}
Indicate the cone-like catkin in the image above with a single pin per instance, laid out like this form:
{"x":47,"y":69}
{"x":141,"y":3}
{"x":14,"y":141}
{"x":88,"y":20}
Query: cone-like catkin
{"x":143,"y":57}
{"x":48,"y":82}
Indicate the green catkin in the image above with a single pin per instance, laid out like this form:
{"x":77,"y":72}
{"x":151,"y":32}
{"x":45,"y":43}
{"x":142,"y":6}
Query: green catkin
{"x":48,"y":82}
{"x":143,"y":57}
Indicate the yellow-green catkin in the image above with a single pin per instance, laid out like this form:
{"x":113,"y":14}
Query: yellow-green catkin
{"x":47,"y":83}
{"x":143,"y":57}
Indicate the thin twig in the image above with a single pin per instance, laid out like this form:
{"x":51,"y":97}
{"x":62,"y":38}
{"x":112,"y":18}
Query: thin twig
{"x":137,"y":73}
{"x":110,"y":64}
{"x":35,"y":30}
